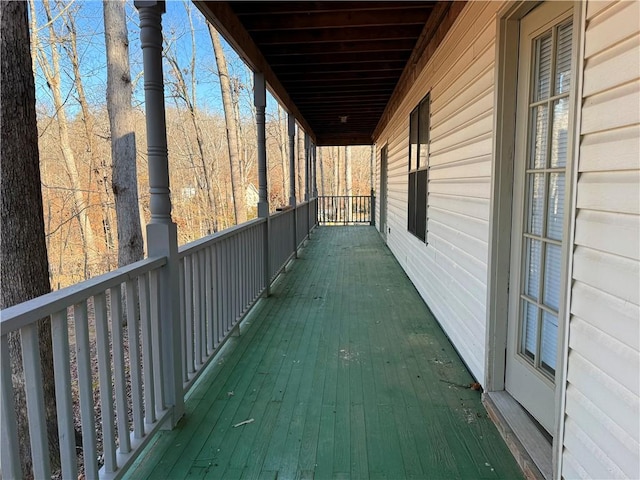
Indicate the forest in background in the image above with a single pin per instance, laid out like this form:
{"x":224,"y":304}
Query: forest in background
{"x":74,"y":134}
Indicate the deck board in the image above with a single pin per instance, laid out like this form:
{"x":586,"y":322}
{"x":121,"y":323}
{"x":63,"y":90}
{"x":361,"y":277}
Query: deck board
{"x":346,"y":375}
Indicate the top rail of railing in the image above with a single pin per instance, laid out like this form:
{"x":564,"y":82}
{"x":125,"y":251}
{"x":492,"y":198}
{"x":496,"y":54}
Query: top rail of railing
{"x":18,"y":316}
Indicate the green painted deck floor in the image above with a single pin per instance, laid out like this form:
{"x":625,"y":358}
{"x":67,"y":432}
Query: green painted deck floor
{"x":345,"y":374}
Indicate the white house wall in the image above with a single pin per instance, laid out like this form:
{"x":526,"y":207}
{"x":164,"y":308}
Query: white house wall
{"x":450,"y":272}
{"x":601,"y":438}
{"x":602,"y":419}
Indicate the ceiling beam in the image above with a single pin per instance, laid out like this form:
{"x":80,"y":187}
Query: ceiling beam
{"x":417,"y":15}
{"x":333,"y":35}
{"x":286,"y":7}
{"x":315,"y":77}
{"x":355,"y":46}
{"x":363,"y":57}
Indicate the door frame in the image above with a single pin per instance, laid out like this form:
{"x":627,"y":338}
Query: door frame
{"x":499,"y":260}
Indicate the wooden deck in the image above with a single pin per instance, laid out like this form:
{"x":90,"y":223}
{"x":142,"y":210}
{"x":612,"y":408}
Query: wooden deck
{"x":344,"y":374}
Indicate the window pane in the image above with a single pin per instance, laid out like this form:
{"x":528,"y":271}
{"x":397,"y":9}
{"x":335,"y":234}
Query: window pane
{"x":552,"y":269}
{"x":421,"y":204}
{"x":549,"y":341}
{"x":413,"y":140}
{"x":423,"y":136}
{"x":529,"y":329}
{"x":555,"y":207}
{"x":563,"y":59}
{"x":559,"y":133}
{"x":411,"y":204}
{"x":540,"y":125}
{"x":532,"y":253}
{"x":543,"y":70}
{"x":536,"y":203}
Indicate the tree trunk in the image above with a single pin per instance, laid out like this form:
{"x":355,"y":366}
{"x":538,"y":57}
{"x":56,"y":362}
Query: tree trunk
{"x":283,"y":140}
{"x":321,"y":166}
{"x":123,"y":142}
{"x":23,"y":251}
{"x":99,"y":165}
{"x":347,"y":181}
{"x":336,"y":169}
{"x":239,"y":196}
{"x":189,"y":98}
{"x":52,"y":74}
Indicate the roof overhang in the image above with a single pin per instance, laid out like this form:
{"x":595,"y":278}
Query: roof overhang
{"x":339,"y":67}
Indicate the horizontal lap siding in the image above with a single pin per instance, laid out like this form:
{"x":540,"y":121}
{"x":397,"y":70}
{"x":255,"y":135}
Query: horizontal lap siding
{"x":451,"y":271}
{"x":602,"y":417}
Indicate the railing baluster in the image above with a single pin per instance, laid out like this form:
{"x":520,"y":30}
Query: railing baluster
{"x":243,"y":271}
{"x":183,"y":322}
{"x":133,"y":322}
{"x":208,"y":274}
{"x":197,"y":333}
{"x":239,"y":278}
{"x":195,"y":285}
{"x":147,"y":349}
{"x":215,"y":331}
{"x":202,"y":317}
{"x":188,"y":312}
{"x":85,"y":383}
{"x":106,"y":385}
{"x":117,"y":328}
{"x":227,"y":287}
{"x":219,"y":289}
{"x":156,"y":339}
{"x":35,"y":400}
{"x":10,"y":452}
{"x":64,"y":402}
{"x":232,"y":282}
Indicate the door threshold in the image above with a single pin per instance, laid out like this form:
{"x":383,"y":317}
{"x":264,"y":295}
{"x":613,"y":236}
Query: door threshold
{"x":530,"y":447}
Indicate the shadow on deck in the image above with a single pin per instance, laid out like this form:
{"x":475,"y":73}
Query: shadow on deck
{"x":344,"y":373}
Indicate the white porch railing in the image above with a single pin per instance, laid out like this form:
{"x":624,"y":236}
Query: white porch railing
{"x":221,"y":278}
{"x":89,"y":313}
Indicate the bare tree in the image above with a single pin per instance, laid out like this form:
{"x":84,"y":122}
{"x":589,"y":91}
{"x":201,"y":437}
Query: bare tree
{"x":321,"y":166}
{"x":238,"y":192}
{"x":348,"y":186}
{"x":23,"y":252}
{"x":283,"y":140}
{"x":99,"y":165}
{"x":188,"y":95}
{"x":336,"y":170}
{"x":123,"y":141}
{"x":52,"y":74}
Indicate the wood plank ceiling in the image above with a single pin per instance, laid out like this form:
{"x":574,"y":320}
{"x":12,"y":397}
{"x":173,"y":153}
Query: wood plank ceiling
{"x":334,"y":65}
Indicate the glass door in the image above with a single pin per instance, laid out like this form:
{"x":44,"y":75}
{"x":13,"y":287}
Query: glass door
{"x":537,"y":272}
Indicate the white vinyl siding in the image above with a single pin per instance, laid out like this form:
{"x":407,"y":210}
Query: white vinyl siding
{"x":601,"y":435}
{"x":451,"y":271}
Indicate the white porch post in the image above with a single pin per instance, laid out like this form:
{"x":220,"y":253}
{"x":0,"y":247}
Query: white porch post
{"x":307,"y":170}
{"x":292,"y":179}
{"x":292,"y":160}
{"x":162,"y":239}
{"x":260,"y":102}
{"x":314,"y":170}
{"x":372,"y":213}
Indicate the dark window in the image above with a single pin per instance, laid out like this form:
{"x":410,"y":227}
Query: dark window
{"x":418,"y":169}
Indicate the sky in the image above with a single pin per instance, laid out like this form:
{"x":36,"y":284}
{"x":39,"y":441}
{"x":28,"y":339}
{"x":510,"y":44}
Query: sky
{"x":91,"y":49}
